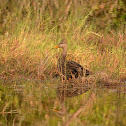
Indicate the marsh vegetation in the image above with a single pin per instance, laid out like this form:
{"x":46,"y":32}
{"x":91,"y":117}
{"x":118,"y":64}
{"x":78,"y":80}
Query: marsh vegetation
{"x":96,"y":39}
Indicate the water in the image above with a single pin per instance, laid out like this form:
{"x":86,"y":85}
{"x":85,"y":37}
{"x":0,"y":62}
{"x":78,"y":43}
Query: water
{"x":29,"y":102}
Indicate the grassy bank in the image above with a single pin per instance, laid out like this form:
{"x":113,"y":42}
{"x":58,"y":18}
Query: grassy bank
{"x":27,"y":51}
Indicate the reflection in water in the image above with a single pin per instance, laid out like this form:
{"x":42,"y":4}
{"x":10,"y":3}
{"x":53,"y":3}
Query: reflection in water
{"x":35,"y":102}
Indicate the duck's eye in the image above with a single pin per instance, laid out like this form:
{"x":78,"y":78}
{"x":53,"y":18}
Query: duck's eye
{"x":60,"y":43}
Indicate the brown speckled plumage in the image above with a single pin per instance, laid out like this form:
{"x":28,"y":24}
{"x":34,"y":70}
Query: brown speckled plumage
{"x":69,"y":69}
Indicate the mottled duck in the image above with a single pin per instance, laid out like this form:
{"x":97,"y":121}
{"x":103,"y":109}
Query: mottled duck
{"x":69,"y":69}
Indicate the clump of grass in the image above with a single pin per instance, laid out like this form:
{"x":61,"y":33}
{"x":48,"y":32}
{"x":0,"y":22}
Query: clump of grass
{"x":30,"y":51}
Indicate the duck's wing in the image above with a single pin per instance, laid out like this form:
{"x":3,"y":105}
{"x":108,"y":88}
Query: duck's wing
{"x":76,"y":69}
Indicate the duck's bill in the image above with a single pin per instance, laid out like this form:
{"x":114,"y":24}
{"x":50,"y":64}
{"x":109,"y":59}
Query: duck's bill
{"x":56,"y":46}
